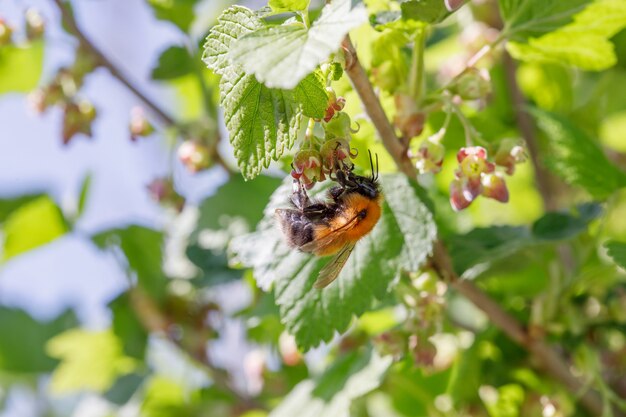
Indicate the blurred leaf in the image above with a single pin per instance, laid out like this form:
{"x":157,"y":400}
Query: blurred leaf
{"x":270,"y":52}
{"x":466,"y":375}
{"x":428,"y":11}
{"x":584,"y":43}
{"x":20,"y":67}
{"x":127,"y":327}
{"x":330,"y":395}
{"x":33,"y":224}
{"x":162,"y":397}
{"x":312,"y":316}
{"x":124,"y":388}
{"x":237,"y":199}
{"x":174,"y":62}
{"x":532,"y":18}
{"x":492,"y":243}
{"x":84,"y":193}
{"x":550,"y":86}
{"x":506,"y":401}
{"x":213,"y":266}
{"x":9,"y":205}
{"x":89,"y":361}
{"x":144,"y":252}
{"x":24,"y":339}
{"x":576,"y":158}
{"x":280,"y":6}
{"x":179,"y":12}
{"x":262,"y":122}
{"x":617,"y":251}
{"x":486,"y":244}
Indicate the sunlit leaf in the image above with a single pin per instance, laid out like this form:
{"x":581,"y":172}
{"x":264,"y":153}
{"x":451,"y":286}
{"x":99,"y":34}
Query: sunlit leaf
{"x":89,"y":360}
{"x":20,"y":67}
{"x":179,"y":12}
{"x":576,"y":158}
{"x":271,"y":52}
{"x":173,"y":62}
{"x":32,"y":225}
{"x":263,"y":123}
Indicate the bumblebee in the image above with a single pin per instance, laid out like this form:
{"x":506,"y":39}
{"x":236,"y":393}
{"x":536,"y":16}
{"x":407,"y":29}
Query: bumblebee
{"x":334,"y":225}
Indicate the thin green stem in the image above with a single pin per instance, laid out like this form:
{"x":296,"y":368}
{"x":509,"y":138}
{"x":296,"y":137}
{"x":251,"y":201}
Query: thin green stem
{"x":416,"y":75}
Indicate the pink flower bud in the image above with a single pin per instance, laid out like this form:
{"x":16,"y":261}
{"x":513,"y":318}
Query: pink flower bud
{"x":139,"y":124}
{"x":194,"y":155}
{"x":494,"y":187}
{"x":509,"y":154}
{"x":430,"y":155}
{"x":457,"y":199}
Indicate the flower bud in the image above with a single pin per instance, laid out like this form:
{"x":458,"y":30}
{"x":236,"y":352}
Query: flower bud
{"x":139,"y":124}
{"x":35,"y":25}
{"x":494,"y":186}
{"x":472,"y":84}
{"x":430,"y":155}
{"x":408,"y":118}
{"x":288,"y":349}
{"x":77,"y":118}
{"x":6,"y":33}
{"x":509,"y":154}
{"x":457,"y":197}
{"x":163,"y":192}
{"x":339,"y":126}
{"x":194,"y":155}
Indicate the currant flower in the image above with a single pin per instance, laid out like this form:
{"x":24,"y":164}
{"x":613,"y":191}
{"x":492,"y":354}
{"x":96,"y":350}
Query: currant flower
{"x":307,"y":167}
{"x":336,"y":150}
{"x":139,"y":124}
{"x":509,"y":154}
{"x":457,"y":197}
{"x":194,"y":155}
{"x":472,"y":164}
{"x":430,"y":154}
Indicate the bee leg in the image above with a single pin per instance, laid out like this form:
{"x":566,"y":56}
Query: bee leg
{"x":299,"y":197}
{"x":336,"y":192}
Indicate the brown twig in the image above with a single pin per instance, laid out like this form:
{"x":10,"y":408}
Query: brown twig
{"x":545,"y":357}
{"x":154,"y":321}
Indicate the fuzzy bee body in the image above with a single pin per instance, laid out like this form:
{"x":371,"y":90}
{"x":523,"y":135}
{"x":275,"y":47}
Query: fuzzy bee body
{"x":332,"y":226}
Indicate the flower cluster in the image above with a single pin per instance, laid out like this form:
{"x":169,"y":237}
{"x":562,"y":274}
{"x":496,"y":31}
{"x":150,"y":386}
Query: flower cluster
{"x":476,"y":175}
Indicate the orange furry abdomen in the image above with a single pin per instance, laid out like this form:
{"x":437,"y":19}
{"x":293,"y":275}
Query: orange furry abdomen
{"x":342,"y":229}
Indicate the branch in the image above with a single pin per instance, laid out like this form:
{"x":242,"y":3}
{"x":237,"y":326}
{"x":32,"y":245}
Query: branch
{"x":545,"y":357}
{"x":154,"y":321}
{"x":69,"y":21}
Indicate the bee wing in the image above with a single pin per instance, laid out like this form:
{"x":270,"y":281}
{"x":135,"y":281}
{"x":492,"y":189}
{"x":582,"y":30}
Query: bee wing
{"x":319,"y":243}
{"x":332,"y":269}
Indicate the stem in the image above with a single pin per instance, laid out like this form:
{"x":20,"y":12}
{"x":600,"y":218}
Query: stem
{"x":545,"y":358}
{"x":416,"y":75}
{"x":69,"y":21}
{"x":154,"y":321}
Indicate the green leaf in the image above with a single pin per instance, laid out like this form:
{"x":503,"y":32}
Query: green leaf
{"x":9,"y":205}
{"x":174,"y":62}
{"x":428,"y":11}
{"x":22,"y":347}
{"x":124,"y":388}
{"x":505,"y":401}
{"x":262,"y":122}
{"x":89,"y":361}
{"x":84,"y":193}
{"x":143,"y":250}
{"x":532,"y":18}
{"x":20,"y":67}
{"x":413,"y":214}
{"x":213,"y":266}
{"x":34,"y":224}
{"x":487,"y":245}
{"x":576,"y":158}
{"x":127,"y":327}
{"x":179,"y":12}
{"x":617,"y":251}
{"x":280,"y":6}
{"x":312,"y":316}
{"x":237,"y":201}
{"x":584,"y":43}
{"x":271,"y":52}
{"x":331,"y":395}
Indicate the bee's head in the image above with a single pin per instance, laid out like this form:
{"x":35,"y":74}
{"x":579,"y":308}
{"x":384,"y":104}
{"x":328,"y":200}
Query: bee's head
{"x":366,"y":186}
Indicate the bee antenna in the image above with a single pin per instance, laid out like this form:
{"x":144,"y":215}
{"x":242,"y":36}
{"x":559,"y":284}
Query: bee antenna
{"x":371,"y":164}
{"x":376,"y":179}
